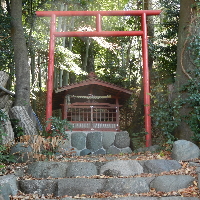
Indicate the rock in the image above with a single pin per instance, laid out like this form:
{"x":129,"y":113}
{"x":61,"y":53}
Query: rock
{"x":113,"y":150}
{"x":108,"y":139}
{"x":45,"y":169}
{"x":126,"y":150}
{"x":81,"y":169}
{"x":91,"y":186}
{"x":122,"y":168}
{"x":197,"y":170}
{"x":85,"y":152}
{"x":22,"y":152}
{"x":125,"y":185}
{"x":178,"y":198}
{"x":122,"y":139}
{"x":74,"y":186}
{"x":39,"y":187}
{"x":8,"y":186}
{"x":158,"y":166}
{"x":100,"y":152}
{"x":185,"y":150}
{"x":78,"y":140}
{"x":94,"y":141}
{"x":112,"y":172}
{"x":194,"y":164}
{"x":69,"y":151}
{"x":168,"y":183}
{"x":20,"y":171}
{"x":2,"y":198}
{"x":5,"y":191}
{"x":152,"y":149}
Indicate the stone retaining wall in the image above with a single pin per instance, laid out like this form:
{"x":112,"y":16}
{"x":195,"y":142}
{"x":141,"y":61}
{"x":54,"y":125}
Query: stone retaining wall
{"x":96,"y":142}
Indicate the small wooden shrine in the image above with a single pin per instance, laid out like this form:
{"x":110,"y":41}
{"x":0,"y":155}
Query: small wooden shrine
{"x":92,"y":104}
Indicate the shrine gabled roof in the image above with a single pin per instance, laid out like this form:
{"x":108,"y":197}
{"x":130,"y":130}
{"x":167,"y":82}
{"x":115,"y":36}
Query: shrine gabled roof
{"x":98,"y":88}
{"x":93,"y":81}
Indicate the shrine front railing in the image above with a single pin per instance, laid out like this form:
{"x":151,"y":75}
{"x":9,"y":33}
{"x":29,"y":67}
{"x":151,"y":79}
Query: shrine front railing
{"x":93,"y":117}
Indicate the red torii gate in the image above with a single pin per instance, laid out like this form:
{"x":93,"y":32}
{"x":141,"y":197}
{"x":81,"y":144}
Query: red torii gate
{"x":100,"y":33}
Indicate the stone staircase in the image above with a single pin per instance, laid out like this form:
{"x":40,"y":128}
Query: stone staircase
{"x":105,"y":177}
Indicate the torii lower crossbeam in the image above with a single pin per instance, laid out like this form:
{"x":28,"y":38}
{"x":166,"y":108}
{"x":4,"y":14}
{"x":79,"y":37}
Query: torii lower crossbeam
{"x":100,"y":33}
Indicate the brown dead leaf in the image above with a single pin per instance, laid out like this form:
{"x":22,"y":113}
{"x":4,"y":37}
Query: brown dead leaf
{"x":102,"y":159}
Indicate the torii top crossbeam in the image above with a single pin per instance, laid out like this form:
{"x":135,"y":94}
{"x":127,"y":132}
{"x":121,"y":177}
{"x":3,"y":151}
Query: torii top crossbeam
{"x":100,"y":33}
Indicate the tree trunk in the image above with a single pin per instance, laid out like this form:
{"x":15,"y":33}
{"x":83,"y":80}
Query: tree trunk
{"x":3,"y":78}
{"x":20,"y":113}
{"x":5,"y":105}
{"x":8,"y":130}
{"x":188,"y":28}
{"x":22,"y":69}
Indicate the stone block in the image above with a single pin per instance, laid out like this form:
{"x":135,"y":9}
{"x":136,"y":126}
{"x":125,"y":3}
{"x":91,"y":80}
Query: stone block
{"x":178,"y":198}
{"x":45,"y":169}
{"x":169,"y":183}
{"x":125,"y":185}
{"x":158,"y":166}
{"x":126,"y":150}
{"x":8,"y":185}
{"x":100,"y":152}
{"x":122,"y":139}
{"x":108,"y":139}
{"x":153,"y":149}
{"x":121,"y":168}
{"x":85,"y":152}
{"x":22,"y":152}
{"x":185,"y":150}
{"x":74,"y":186}
{"x":81,"y":169}
{"x":113,"y":150}
{"x":5,"y":191}
{"x":94,"y":141}
{"x":78,"y":140}
{"x":40,"y":187}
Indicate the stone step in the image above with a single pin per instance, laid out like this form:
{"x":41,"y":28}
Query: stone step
{"x":116,"y":186}
{"x":128,"y":198}
{"x":51,"y":169}
{"x":119,"y":177}
{"x":89,"y":177}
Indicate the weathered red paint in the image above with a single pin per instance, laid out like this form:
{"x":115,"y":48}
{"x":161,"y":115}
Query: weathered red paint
{"x":50,"y":70}
{"x":146,"y":81}
{"x":100,"y":33}
{"x":95,"y":13}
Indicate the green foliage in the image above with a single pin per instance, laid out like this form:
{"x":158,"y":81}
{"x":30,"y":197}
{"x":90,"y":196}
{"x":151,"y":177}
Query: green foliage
{"x":2,"y":170}
{"x":5,"y":157}
{"x":3,"y":116}
{"x":164,"y":45}
{"x":138,"y":139}
{"x":55,"y":135}
{"x":58,"y":127}
{"x":18,"y":130}
{"x":3,"y":119}
{"x":6,"y":50}
{"x":192,"y":88}
{"x":165,"y":114}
